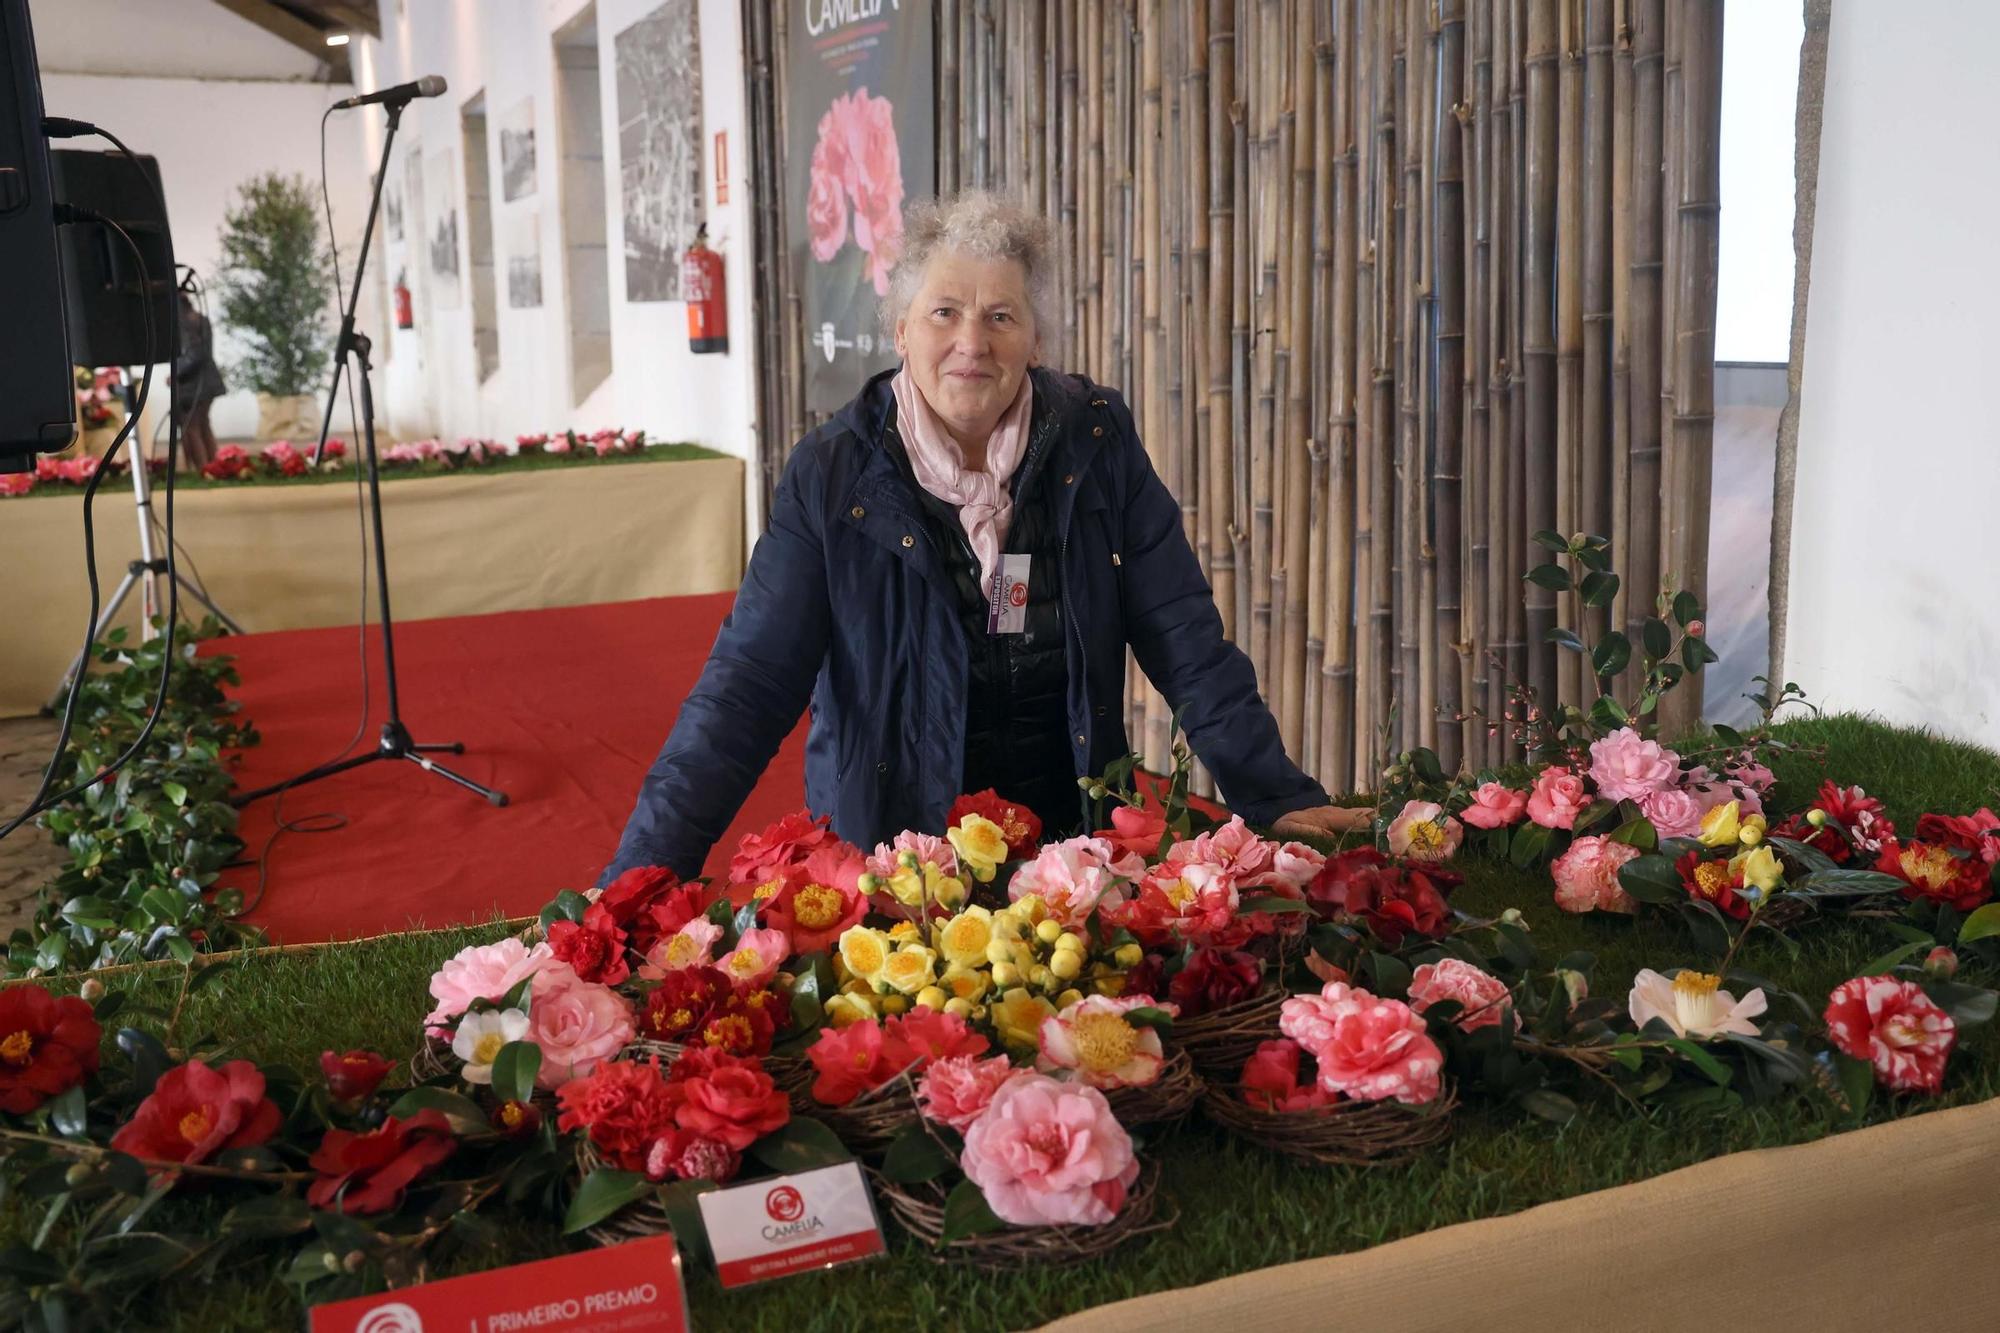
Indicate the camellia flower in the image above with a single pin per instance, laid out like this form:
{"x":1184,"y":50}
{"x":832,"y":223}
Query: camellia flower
{"x":956,"y":1091}
{"x":1094,"y":1039}
{"x":1368,"y":1049}
{"x":1076,"y":877}
{"x":727,"y":1098}
{"x":369,"y":1173}
{"x":1017,"y":1018}
{"x":685,"y":999}
{"x":480,"y":1037}
{"x":692,"y":945}
{"x":594,"y":950}
{"x":1021,"y":826}
{"x":1215,"y":979}
{"x":1760,"y":871}
{"x":931,"y":1035}
{"x":1977,"y":833}
{"x":624,"y":1106}
{"x":484,"y":972}
{"x":981,"y":845}
{"x":963,"y":940}
{"x":911,"y":968}
{"x":865,"y":952}
{"x":756,"y":958}
{"x":1894,"y":1026}
{"x":1050,"y":1154}
{"x":1558,"y":798}
{"x":1626,"y":767}
{"x":577,"y":1024}
{"x":1719,"y":882}
{"x":1586,"y":876}
{"x":1424,"y":832}
{"x":1937,"y":873}
{"x":1726,"y":825}
{"x":354,"y":1076}
{"x":790,"y":841}
{"x":1309,"y":1019}
{"x":1482,"y":997}
{"x":48,"y":1045}
{"x":1393,"y":901}
{"x":1136,"y":832}
{"x":195,"y":1112}
{"x":812,"y":915}
{"x":1495,"y":805}
{"x":1270,"y":1080}
{"x":1693,"y":1004}
{"x":1673,"y":812}
{"x":855,"y":1059}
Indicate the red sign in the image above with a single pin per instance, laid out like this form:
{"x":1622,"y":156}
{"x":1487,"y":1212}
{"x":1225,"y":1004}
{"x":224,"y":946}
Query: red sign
{"x":629,"y":1288}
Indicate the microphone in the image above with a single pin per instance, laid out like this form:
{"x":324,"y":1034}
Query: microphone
{"x":431,"y":85}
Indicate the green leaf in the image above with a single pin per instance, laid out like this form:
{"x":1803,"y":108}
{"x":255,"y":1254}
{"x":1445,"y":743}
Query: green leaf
{"x":1969,"y":1006}
{"x":268,"y":1217}
{"x":1599,"y":588}
{"x":1696,"y":654}
{"x":914,"y":1157}
{"x":1717,"y":1072}
{"x":463,"y":1112}
{"x":31,"y":1267}
{"x":94,"y":912}
{"x":1801,"y":854}
{"x":1875,"y":967}
{"x":1150,"y":1016}
{"x":1857,"y":1081}
{"x":1840,"y":883}
{"x":1638,"y":833}
{"x":1530,"y":841}
{"x":70,"y":1113}
{"x":1564,"y":638}
{"x":1609,"y":714}
{"x":1551,"y":539}
{"x":174,"y":792}
{"x":1652,"y":879}
{"x":966,"y":1213}
{"x":149,"y":1058}
{"x":514,"y":1070}
{"x":1391,"y":974}
{"x":1687,"y":608}
{"x":1613,"y":654}
{"x":1592,"y":814}
{"x":182,"y":948}
{"x":1548,"y":1104}
{"x":1549,"y":576}
{"x":1982,"y":924}
{"x":1274,"y":904}
{"x":601,"y":1194}
{"x":803,"y":1144}
{"x":746,"y":917}
{"x":1656,"y":638}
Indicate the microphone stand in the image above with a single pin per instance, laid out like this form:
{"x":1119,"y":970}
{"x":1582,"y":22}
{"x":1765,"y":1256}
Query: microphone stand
{"x":395,"y":742}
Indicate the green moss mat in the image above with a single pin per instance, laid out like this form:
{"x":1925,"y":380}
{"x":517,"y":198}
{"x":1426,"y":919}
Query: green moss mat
{"x":1240,"y":1208}
{"x":538,"y":462}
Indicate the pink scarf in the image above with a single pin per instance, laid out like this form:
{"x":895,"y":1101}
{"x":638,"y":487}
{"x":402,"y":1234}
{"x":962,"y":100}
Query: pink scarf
{"x":984,"y":506}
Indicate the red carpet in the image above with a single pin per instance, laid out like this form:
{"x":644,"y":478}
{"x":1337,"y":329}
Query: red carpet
{"x":563,"y":710}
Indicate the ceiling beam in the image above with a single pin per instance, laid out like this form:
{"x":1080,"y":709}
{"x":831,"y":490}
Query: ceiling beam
{"x":355,"y":18}
{"x":279,"y":23}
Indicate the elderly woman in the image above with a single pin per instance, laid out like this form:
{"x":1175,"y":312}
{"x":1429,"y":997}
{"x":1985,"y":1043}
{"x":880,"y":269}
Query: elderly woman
{"x":954,"y":566}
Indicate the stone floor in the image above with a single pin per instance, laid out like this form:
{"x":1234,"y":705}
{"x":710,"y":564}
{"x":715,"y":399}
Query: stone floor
{"x":27,"y":858}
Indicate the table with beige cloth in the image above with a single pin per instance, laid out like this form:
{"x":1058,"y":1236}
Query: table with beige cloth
{"x":1893,"y":1226}
{"x":289,"y":557}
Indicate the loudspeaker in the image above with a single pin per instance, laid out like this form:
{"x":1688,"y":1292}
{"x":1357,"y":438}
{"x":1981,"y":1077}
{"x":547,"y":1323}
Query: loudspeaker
{"x":107,"y":301}
{"x":37,"y":396}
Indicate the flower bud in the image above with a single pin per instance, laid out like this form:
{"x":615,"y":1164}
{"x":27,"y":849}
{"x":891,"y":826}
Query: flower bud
{"x":1067,"y":964}
{"x":92,"y":990}
{"x":1816,"y":817}
{"x":869,"y":883}
{"x":1131,"y":955}
{"x":1695,"y":627}
{"x":907,"y":860}
{"x":931,"y":997}
{"x":355,"y":1261}
{"x":893,"y":1004}
{"x":1575,"y":984}
{"x":1512,"y":917}
{"x":1068,"y":998}
{"x":1750,"y":835}
{"x":1049,"y":931}
{"x":1097,"y":791}
{"x":1085,"y":784}
{"x":1041,"y":977}
{"x":958,"y":1007}
{"x":1006,"y":975}
{"x":79,"y":1174}
{"x":1071,"y":941}
{"x":1941,"y":963}
{"x":330,"y":1261}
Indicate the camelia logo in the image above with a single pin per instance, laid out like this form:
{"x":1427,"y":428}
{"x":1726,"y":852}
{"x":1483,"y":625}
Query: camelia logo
{"x":392,"y":1318}
{"x":1018,"y":594}
{"x":784,"y":1204}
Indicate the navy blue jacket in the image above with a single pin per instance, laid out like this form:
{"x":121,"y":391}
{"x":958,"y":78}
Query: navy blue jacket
{"x":847,"y":604}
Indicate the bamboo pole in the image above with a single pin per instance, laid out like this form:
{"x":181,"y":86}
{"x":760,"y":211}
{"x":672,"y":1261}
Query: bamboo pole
{"x":1303,"y":454}
{"x":1221,"y":278}
{"x":1593,"y":509}
{"x":1388,"y":309}
{"x":1339,"y":691}
{"x":1621,"y":328}
{"x":1642,"y":556}
{"x":1538,"y":338}
{"x":1448,"y":293}
{"x":1480,"y":506}
{"x":1570,"y":669}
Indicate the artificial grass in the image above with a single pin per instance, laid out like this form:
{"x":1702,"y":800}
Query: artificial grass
{"x":1240,"y":1208}
{"x":535,"y":462}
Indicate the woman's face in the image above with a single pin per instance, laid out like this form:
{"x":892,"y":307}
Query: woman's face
{"x":968,"y":338}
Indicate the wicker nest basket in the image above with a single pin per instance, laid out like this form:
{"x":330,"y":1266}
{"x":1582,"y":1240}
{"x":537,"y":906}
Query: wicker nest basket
{"x":637,"y":1220}
{"x":1221,"y":1040}
{"x":872,"y":1121}
{"x":1344,"y":1134}
{"x":430,"y":1061}
{"x":1168,"y":1098}
{"x":920,"y":1210}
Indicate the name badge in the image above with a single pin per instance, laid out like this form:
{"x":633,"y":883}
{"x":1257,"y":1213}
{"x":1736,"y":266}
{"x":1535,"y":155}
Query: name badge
{"x":790,"y":1224}
{"x":1007,"y":601}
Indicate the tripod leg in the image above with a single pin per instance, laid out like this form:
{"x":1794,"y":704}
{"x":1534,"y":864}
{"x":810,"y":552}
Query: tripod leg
{"x":203,"y":598}
{"x":104,"y":619}
{"x":452,"y":747}
{"x":497,"y":797}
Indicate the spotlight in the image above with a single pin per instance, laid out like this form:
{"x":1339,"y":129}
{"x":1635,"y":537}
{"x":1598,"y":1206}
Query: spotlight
{"x":336,"y":39}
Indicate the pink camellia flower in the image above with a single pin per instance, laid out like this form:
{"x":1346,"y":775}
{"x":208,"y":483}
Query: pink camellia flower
{"x":16,"y":483}
{"x":1587,"y":876}
{"x":1075,"y":877}
{"x":1747,"y":772}
{"x":957,"y":1090}
{"x":693,"y":945}
{"x":1495,"y":806}
{"x":1294,"y":866}
{"x":1094,"y":1040}
{"x":1625,"y":767}
{"x":756,"y":957}
{"x":1050,"y":1154}
{"x":1673,"y":813}
{"x":1558,"y":798}
{"x":1380,"y":1049}
{"x":1136,"y":831}
{"x":1424,"y":832}
{"x":1310,"y":1020}
{"x":1895,"y":1027}
{"x":1483,"y":998}
{"x":826,"y":200}
{"x":928,"y":849}
{"x":705,"y":1159}
{"x":483,"y":972}
{"x":578,"y":1024}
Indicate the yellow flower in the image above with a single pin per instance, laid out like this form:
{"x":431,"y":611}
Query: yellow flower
{"x":1129,"y":955}
{"x":1752,"y":831}
{"x":910,"y":969}
{"x":1721,"y":826}
{"x":981,"y":845}
{"x":906,"y":886}
{"x":930,"y":997}
{"x":1017,"y":1019}
{"x":1028,"y":910}
{"x":966,"y":937}
{"x":864,"y":951}
{"x":966,"y":983}
{"x":845,"y":1010}
{"x":905,"y":932}
{"x":1760,"y":869}
{"x":1067,"y":964}
{"x":947,"y":891}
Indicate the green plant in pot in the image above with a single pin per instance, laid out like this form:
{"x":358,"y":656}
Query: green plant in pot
{"x":276,"y":274}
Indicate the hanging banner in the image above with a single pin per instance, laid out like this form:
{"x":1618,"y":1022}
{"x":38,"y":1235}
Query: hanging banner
{"x":861,"y":148}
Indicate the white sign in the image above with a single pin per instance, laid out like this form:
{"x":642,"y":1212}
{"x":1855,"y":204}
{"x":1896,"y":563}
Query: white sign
{"x":790,"y":1224}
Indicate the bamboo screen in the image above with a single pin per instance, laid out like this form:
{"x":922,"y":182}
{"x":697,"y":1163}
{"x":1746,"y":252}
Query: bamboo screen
{"x":1390,"y":287}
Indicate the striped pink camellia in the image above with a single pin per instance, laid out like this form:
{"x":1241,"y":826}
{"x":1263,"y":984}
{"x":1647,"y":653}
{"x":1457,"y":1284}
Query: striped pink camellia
{"x":1482,"y":997}
{"x":1424,"y":832}
{"x":1095,"y":1043}
{"x":1587,"y":876}
{"x":1896,"y":1028}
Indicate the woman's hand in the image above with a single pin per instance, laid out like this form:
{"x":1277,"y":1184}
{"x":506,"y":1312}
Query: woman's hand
{"x":1324,"y":821}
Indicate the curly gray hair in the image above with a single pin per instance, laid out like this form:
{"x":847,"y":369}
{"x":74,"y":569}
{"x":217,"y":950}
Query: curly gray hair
{"x":984,"y":226}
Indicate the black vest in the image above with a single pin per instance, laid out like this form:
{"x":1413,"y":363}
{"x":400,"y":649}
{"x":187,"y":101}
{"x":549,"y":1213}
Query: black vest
{"x":1016,"y":728}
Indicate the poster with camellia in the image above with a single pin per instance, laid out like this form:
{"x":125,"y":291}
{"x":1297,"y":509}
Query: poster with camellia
{"x":861,"y":148}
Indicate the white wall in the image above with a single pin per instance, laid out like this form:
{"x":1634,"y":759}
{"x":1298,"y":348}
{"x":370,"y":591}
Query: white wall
{"x":1895,"y":539}
{"x":504,"y":48}
{"x":210,"y":136}
{"x":1760,"y":87}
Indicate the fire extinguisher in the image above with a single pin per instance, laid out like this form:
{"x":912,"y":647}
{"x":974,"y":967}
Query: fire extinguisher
{"x":701,"y":286}
{"x":405,"y":317}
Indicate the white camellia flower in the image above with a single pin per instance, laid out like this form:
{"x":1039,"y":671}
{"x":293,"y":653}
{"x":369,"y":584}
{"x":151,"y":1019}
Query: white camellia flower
{"x":480,"y":1037}
{"x":1693,"y":1004}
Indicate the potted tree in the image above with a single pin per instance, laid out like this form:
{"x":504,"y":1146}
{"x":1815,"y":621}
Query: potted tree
{"x":276,"y":275}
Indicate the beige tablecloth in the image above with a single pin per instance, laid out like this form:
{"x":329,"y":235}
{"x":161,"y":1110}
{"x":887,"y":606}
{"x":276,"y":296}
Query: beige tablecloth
{"x":1889,"y":1227}
{"x":289,"y":557}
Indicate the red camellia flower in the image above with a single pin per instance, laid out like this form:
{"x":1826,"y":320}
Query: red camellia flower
{"x":595,"y":950}
{"x":743,"y":1023}
{"x":636,"y":890}
{"x":727,"y":1098}
{"x":47,"y":1046}
{"x":1215,"y":979}
{"x":812,"y":912}
{"x":195,"y":1112}
{"x":353,"y":1076}
{"x":1896,"y":1028}
{"x":625,"y":1106}
{"x":1937,"y":873}
{"x":370,"y":1173}
{"x":932,"y":1034}
{"x":1271,"y":1079}
{"x":855,"y":1059}
{"x":1393,"y":900}
{"x":517,"y":1120}
{"x":1019,"y":825}
{"x":1846,"y":809}
{"x":684,"y":1002}
{"x":1714,"y":882}
{"x":1136,"y":831}
{"x":1977,"y":833}
{"x":790,"y":841}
